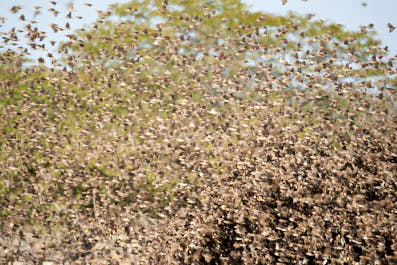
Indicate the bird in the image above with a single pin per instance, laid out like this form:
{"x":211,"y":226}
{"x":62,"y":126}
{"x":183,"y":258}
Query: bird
{"x":54,"y":12}
{"x":391,"y":27}
{"x":15,"y":9}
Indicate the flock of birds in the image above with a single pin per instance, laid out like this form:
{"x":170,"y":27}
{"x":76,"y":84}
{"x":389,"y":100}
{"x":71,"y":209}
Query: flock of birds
{"x":33,"y":33}
{"x":34,"y":37}
{"x":186,"y":152}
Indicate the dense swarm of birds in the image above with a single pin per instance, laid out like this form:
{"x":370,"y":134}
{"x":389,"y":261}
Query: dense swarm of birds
{"x":180,"y":148}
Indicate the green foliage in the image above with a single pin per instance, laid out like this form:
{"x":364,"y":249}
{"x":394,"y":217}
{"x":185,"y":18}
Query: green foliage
{"x":210,"y":24}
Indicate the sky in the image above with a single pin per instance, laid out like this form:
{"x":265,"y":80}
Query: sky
{"x":351,"y":13}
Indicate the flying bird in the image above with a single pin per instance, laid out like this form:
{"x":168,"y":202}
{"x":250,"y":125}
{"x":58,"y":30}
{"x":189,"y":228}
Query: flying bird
{"x":70,"y":7}
{"x":54,"y":12}
{"x":391,"y":27}
{"x":15,"y":9}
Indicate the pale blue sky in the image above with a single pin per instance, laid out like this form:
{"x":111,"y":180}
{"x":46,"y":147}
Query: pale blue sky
{"x":351,"y":13}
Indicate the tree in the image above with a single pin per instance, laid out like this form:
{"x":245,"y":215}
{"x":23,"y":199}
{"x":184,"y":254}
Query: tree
{"x":157,"y":37}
